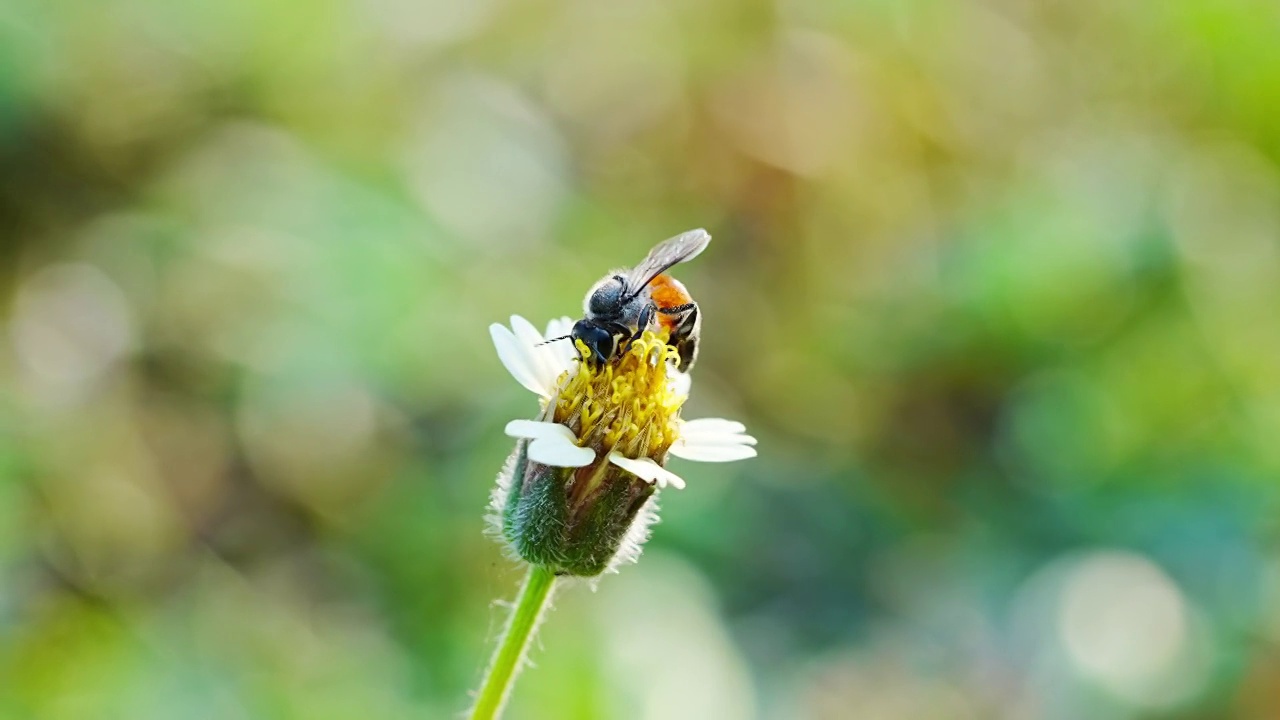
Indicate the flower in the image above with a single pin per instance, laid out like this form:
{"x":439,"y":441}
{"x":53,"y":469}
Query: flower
{"x":631,"y":397}
{"x":576,"y":490}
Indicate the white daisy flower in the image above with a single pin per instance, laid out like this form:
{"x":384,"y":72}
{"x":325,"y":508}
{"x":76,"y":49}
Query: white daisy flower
{"x":542,"y":366}
{"x":577,"y":493}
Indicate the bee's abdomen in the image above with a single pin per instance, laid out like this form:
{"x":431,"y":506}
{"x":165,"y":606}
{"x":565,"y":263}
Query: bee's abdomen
{"x":668,"y":292}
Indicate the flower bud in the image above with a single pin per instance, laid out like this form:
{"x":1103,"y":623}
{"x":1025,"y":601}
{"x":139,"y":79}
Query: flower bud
{"x":574,"y":520}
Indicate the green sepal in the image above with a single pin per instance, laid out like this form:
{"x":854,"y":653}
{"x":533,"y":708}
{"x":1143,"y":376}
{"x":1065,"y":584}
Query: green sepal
{"x":600,"y":521}
{"x":574,"y":520}
{"x":536,"y":512}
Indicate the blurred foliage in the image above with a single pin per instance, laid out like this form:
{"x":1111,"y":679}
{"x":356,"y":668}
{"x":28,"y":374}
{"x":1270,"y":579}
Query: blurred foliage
{"x":994,"y":281}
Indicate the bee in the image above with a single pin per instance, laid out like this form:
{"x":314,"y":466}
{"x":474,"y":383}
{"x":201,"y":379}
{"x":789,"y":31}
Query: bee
{"x":625,"y":303}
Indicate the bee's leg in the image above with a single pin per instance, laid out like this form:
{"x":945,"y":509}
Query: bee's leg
{"x":685,"y":335}
{"x":678,"y":309}
{"x":646,"y":319}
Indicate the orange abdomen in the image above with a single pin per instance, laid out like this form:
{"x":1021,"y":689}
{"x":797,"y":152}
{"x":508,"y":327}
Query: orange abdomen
{"x":668,"y":292}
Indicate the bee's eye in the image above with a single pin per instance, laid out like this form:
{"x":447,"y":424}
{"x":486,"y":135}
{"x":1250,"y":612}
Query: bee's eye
{"x":604,"y":349}
{"x":599,"y":340}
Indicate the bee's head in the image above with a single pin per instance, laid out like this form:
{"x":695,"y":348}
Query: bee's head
{"x":601,"y":341}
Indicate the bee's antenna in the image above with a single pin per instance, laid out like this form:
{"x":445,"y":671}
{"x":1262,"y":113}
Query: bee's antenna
{"x":554,"y":339}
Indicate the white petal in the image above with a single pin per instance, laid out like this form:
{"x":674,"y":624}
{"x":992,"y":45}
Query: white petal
{"x":563,"y":351}
{"x":680,"y":382}
{"x":543,"y":360}
{"x":559,"y":357}
{"x":553,"y":443}
{"x":563,"y":354}
{"x":517,"y":359}
{"x":648,"y":470}
{"x":713,"y":453}
{"x":558,"y":326}
{"x":525,"y":331}
{"x":716,"y":439}
{"x":537,"y":429}
{"x":711,"y":425}
{"x":556,"y":356}
{"x":560,"y":452}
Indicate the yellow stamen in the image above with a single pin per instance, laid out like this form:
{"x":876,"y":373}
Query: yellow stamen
{"x":625,"y":405}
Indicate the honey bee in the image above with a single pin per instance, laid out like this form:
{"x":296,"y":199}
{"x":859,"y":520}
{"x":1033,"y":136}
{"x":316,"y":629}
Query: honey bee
{"x":625,"y":303}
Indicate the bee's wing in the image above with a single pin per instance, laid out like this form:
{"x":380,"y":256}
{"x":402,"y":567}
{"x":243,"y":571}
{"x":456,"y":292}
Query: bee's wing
{"x":672,"y":251}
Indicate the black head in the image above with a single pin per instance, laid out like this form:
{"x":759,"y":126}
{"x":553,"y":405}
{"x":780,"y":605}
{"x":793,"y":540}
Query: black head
{"x":600,"y":339}
{"x":607,"y":298}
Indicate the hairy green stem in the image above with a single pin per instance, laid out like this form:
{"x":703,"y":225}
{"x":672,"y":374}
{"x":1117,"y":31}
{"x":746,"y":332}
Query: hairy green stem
{"x":509,"y":656}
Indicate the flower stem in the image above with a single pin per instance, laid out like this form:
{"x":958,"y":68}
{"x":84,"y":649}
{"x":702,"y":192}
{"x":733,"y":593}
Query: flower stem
{"x":509,"y":656}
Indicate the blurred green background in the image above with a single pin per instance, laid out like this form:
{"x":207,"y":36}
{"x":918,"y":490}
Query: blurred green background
{"x":995,"y":282}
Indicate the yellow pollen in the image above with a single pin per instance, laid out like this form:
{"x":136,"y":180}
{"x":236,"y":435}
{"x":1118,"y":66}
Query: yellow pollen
{"x":625,"y":405}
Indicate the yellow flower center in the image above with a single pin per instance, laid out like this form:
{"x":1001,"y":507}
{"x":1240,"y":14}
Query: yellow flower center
{"x":625,"y":405}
